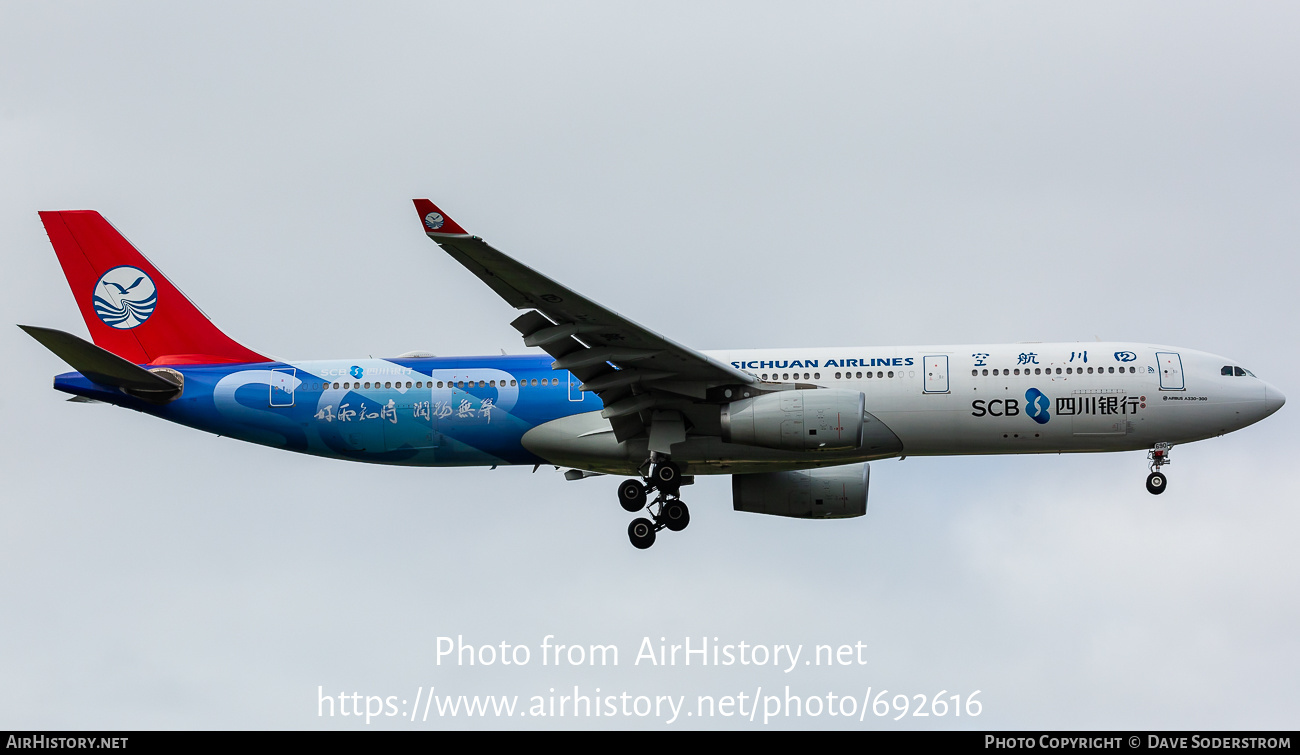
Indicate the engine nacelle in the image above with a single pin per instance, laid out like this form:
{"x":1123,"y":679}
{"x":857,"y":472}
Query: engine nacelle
{"x":805,"y":420}
{"x":832,"y":493}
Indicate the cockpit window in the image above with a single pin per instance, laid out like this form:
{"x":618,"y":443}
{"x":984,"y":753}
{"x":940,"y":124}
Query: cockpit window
{"x":1226,"y":370}
{"x":1239,"y":372}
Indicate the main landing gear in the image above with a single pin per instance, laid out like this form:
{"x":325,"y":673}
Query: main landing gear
{"x":666,"y":510}
{"x":1159,"y":456}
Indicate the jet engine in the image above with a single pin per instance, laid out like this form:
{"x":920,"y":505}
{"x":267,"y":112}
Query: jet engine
{"x":831,"y":493}
{"x":802,"y":420}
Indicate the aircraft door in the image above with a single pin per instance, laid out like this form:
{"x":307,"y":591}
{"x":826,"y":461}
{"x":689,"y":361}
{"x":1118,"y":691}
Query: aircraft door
{"x":936,"y":374}
{"x":1171,"y":370}
{"x":282,"y":385}
{"x":575,"y":385}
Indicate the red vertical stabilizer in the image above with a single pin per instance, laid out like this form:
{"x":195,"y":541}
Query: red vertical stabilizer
{"x":129,"y":306}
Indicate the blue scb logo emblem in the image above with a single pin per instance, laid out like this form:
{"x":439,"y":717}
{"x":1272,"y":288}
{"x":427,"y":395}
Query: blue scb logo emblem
{"x":1036,"y":406}
{"x":124,"y":297}
{"x":357,"y":372}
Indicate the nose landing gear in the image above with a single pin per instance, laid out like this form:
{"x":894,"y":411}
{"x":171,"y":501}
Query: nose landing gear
{"x":1159,"y":456}
{"x":667,"y":511}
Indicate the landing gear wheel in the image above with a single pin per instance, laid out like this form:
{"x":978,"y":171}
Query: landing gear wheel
{"x":1156,"y":483}
{"x":631,"y":495}
{"x":675,"y":516}
{"x":642,"y":533}
{"x":666,"y":476}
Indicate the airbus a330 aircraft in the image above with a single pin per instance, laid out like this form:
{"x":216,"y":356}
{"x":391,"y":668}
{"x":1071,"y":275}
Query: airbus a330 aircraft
{"x":795,"y":428}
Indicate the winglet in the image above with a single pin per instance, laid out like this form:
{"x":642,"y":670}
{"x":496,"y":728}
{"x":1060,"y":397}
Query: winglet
{"x":436,"y":222}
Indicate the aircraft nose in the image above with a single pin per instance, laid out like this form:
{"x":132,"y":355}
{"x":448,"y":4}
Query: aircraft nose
{"x":1273,"y":399}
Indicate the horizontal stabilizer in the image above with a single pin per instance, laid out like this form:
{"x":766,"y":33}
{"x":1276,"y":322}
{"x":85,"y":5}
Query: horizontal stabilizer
{"x":103,"y":366}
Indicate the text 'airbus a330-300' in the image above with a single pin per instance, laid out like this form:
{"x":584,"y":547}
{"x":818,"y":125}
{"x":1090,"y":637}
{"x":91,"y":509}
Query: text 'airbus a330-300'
{"x":795,"y":428}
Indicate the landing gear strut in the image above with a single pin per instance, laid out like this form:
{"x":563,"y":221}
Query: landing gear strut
{"x":667,"y":511}
{"x":1159,"y":456}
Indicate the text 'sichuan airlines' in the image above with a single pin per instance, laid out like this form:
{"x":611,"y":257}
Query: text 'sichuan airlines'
{"x":795,"y":428}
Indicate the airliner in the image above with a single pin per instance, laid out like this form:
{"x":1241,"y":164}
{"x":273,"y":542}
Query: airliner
{"x":796,"y":428}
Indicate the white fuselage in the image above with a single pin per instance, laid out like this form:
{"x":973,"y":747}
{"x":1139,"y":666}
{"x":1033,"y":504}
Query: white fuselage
{"x":938,"y":400}
{"x":1031,"y":397}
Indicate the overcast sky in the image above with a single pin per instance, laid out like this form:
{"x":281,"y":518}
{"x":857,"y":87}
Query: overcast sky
{"x":732,"y":175}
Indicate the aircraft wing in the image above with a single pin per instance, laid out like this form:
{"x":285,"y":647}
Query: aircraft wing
{"x":642,"y":377}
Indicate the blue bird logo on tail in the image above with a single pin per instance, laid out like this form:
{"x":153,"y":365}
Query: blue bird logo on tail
{"x":1036,"y":406}
{"x":124,"y":297}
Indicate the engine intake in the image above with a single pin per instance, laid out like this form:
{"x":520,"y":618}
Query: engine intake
{"x":832,"y":493}
{"x":802,"y":420}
